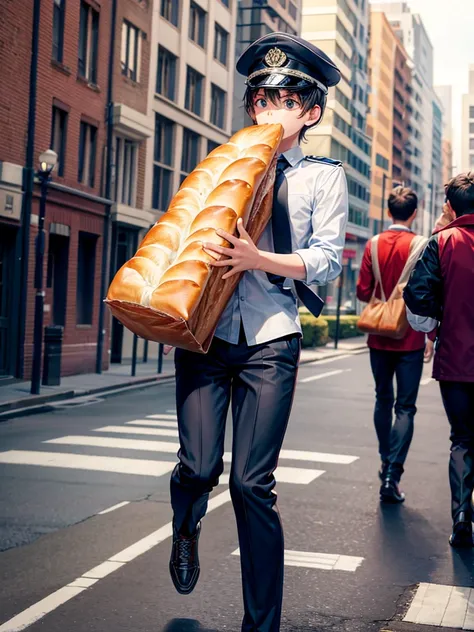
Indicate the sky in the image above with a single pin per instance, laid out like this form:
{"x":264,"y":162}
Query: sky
{"x":450,"y":26}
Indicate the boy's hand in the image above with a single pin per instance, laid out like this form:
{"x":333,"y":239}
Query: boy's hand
{"x":243,"y":256}
{"x":429,"y":350}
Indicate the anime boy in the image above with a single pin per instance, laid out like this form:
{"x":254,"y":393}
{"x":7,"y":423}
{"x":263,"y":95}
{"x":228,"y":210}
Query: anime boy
{"x":253,"y":359}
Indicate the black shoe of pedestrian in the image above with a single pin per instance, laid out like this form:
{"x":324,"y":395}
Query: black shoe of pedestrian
{"x":461,"y":536}
{"x":383,"y":471}
{"x":184,"y":562}
{"x":390,"y":492}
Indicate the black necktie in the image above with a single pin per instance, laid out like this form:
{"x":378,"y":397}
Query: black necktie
{"x":281,"y":229}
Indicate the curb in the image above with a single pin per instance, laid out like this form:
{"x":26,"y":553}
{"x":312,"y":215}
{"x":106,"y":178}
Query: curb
{"x":42,"y":403}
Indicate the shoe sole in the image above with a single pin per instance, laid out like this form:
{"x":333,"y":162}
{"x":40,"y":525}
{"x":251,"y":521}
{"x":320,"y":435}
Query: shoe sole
{"x":387,"y":498}
{"x":179,"y":588}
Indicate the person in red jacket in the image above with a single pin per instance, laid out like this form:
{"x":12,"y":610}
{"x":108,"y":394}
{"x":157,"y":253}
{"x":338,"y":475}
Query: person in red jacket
{"x":440,"y":290}
{"x":391,"y":358}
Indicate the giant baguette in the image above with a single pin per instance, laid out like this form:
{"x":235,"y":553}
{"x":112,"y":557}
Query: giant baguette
{"x":168,"y":292}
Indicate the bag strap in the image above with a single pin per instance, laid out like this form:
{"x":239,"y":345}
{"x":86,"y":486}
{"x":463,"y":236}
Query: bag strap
{"x":417,"y":245}
{"x":376,"y":265}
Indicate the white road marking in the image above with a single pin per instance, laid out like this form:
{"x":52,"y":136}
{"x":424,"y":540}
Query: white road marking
{"x":321,"y":376}
{"x":114,"y":507}
{"x":40,"y":609}
{"x":172,"y":410}
{"x":318,"y":457}
{"x":157,"y":432}
{"x":323,"y":561}
{"x":152,"y":423}
{"x":170,"y":417}
{"x":117,"y":443}
{"x":444,"y":606}
{"x":327,"y":361}
{"x":293,"y":475}
{"x":426,"y":381}
{"x":118,"y":465}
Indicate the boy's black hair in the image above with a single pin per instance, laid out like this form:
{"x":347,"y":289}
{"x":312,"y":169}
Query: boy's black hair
{"x":309,"y":98}
{"x":460,"y":193}
{"x":402,"y":203}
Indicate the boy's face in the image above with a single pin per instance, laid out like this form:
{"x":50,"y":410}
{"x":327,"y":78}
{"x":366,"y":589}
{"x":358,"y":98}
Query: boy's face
{"x":288,"y":112}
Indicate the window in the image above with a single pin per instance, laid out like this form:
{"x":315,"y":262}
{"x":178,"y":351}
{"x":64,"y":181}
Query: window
{"x":166,"y":75}
{"x":221,"y":38}
{"x":85,"y":278}
{"x":88,"y":42}
{"x":471,"y":143}
{"x":471,"y":160}
{"x":471,"y":111}
{"x":163,"y":161}
{"x":190,"y":156}
{"x":194,"y":83}
{"x":382,"y":162}
{"x":87,"y":154}
{"x":58,"y":29}
{"x":130,"y":50}
{"x":292,"y":10}
{"x":58,"y":137}
{"x":197,"y":24}
{"x":57,"y":271}
{"x":170,"y":11}
{"x":211,"y":145}
{"x":226,"y":3}
{"x":471,"y":128}
{"x":126,"y":153}
{"x":217,"y":106}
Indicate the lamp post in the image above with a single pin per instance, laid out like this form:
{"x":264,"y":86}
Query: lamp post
{"x":48,"y":161}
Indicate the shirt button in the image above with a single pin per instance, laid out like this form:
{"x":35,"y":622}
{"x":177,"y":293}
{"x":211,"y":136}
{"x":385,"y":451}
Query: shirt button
{"x":242,"y":298}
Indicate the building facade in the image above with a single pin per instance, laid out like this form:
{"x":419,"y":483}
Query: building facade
{"x":340,"y":28}
{"x":71,"y":102}
{"x":445,"y":95}
{"x":467,"y":130}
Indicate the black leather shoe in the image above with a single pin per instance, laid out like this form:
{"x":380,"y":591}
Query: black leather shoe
{"x":383,"y":471}
{"x":390,"y":492}
{"x":461,"y":536}
{"x":184,"y":562}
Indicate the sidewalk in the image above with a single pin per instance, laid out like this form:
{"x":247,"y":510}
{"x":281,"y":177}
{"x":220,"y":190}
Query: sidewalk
{"x":16,"y":400}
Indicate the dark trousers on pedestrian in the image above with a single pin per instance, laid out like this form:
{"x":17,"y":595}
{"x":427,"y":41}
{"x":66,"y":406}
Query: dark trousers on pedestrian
{"x":395,"y":436}
{"x":259,"y":381}
{"x":458,"y":400}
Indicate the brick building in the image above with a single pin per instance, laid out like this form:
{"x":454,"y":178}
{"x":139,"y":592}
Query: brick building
{"x":71,"y":106}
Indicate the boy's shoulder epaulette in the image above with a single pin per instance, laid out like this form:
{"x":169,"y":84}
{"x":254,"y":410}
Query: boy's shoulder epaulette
{"x":323,"y":160}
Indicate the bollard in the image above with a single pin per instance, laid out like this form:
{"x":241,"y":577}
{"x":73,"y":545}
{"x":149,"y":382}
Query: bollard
{"x":53,"y":339}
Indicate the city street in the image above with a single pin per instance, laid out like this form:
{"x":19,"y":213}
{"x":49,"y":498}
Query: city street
{"x":85,"y":519}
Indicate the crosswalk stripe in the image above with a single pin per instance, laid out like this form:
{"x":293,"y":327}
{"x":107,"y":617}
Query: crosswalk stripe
{"x":117,"y":443}
{"x":152,"y":423}
{"x":322,"y":561}
{"x":157,"y":432}
{"x":119,"y":465}
{"x":170,"y":417}
{"x":292,"y":475}
{"x":444,"y":606}
{"x":318,"y":457}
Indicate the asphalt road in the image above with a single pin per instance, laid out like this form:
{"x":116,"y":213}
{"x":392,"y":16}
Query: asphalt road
{"x":352,"y":564}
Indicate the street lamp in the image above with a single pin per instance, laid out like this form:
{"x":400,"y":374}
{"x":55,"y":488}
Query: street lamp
{"x":47,"y":163}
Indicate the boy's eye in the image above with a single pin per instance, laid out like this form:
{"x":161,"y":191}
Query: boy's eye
{"x":290,"y":104}
{"x":261,"y":103}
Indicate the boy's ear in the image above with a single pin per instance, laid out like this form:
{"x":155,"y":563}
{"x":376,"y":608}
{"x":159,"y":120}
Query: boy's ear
{"x":314,"y":115}
{"x":450,"y":212}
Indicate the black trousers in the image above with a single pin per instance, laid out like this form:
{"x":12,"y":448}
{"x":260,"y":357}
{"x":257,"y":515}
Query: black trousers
{"x":458,"y":400}
{"x":395,"y":437}
{"x":260,"y":382}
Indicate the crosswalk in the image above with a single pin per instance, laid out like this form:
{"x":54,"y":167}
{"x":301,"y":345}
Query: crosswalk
{"x":154,"y":434}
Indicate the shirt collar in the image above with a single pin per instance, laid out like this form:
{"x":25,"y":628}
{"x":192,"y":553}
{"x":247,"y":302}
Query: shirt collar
{"x":294,"y":155}
{"x":400,"y":227}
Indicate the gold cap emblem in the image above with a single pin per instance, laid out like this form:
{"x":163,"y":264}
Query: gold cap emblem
{"x":275,"y":58}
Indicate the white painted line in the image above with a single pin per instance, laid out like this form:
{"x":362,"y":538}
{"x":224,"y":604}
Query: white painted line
{"x":55,"y":600}
{"x":83,"y":582}
{"x":163,"y":416}
{"x":322,"y":561}
{"x":117,"y":443}
{"x":426,"y":381}
{"x":416,"y":604}
{"x":172,"y":410}
{"x":321,"y":376}
{"x":119,"y":465}
{"x":327,"y":361}
{"x":455,"y":614}
{"x":292,"y":475}
{"x":157,"y":432}
{"x":318,"y":457}
{"x":152,"y":423}
{"x":114,"y":507}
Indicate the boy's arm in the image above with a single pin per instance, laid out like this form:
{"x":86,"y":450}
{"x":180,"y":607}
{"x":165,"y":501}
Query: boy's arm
{"x":366,"y":280}
{"x":424,"y":291}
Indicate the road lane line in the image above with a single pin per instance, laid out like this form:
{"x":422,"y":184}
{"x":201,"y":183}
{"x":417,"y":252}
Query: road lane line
{"x":152,"y":423}
{"x":426,"y":381}
{"x":292,"y":475}
{"x":327,"y":361}
{"x":163,"y":416}
{"x":117,"y":465}
{"x":322,"y":561}
{"x":50,"y":603}
{"x":157,"y":432}
{"x":114,"y":507}
{"x":318,"y":457}
{"x":321,"y":376}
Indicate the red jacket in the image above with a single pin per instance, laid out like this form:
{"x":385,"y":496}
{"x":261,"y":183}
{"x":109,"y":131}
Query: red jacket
{"x":393,"y":251}
{"x":442,"y":287}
